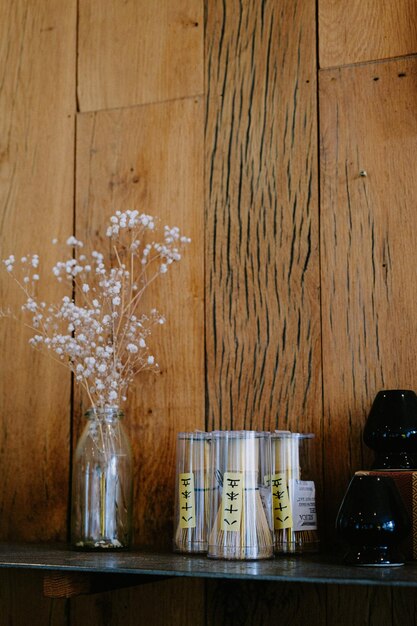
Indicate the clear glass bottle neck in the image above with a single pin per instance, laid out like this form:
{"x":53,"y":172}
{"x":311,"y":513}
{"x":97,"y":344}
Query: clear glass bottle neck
{"x":106,"y":414}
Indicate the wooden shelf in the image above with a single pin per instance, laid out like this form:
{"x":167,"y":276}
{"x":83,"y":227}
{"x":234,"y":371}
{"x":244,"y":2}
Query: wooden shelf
{"x":68,"y":572}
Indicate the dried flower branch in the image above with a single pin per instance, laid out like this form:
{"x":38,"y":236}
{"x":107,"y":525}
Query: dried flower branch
{"x":101,"y":334}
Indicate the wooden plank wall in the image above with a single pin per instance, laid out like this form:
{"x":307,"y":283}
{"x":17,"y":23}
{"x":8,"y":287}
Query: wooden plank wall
{"x":358,"y":31}
{"x":262,"y":288}
{"x":368,"y":244}
{"x":286,"y":312}
{"x":37,"y":119}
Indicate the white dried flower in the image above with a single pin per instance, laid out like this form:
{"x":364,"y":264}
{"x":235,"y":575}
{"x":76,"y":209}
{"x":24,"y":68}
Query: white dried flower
{"x":73,"y":241}
{"x":102,"y":341}
{"x":9,"y":263}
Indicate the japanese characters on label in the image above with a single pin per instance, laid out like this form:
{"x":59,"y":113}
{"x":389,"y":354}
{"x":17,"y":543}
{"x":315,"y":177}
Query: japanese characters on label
{"x":187,"y":500}
{"x":281,"y":502}
{"x":232,"y":502}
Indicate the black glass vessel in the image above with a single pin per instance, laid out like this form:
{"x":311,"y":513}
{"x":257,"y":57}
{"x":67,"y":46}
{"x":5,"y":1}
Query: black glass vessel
{"x":391,"y":430}
{"x":372,"y":521}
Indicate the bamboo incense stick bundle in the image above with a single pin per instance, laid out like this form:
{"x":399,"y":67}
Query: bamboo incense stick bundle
{"x":240,"y":524}
{"x":293,"y":497}
{"x":191,"y":499}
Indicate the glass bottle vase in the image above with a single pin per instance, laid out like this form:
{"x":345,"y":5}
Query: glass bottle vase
{"x":102,"y":484}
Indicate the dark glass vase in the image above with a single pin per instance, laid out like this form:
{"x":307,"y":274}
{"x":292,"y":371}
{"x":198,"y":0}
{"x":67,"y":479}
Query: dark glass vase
{"x":372,"y":521}
{"x":391,"y":430}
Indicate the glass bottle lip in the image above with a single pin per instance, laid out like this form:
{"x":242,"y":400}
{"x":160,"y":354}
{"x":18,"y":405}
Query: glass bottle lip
{"x":240,"y":434}
{"x":194,"y":436}
{"x":283,"y":434}
{"x":106,"y":412}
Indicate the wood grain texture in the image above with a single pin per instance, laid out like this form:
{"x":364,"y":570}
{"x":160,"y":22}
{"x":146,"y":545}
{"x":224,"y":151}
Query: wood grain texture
{"x":66,"y":584}
{"x":151,"y":159}
{"x":262,"y":289}
{"x":366,"y":606}
{"x":404,"y":607}
{"x":59,"y":584}
{"x":37,"y":89}
{"x":358,"y":30}
{"x":136,"y":52}
{"x":263,"y":360}
{"x":369,"y":252}
{"x":264,"y":604}
{"x":173,"y":602}
{"x":22,"y":602}
{"x":262,"y":271}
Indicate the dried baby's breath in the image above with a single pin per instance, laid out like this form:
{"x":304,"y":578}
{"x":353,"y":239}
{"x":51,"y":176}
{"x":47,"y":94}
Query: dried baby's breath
{"x":102,"y":333}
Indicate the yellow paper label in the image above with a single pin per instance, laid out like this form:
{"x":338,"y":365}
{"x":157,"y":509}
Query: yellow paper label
{"x":187,"y":501}
{"x":232,"y":502}
{"x":281,"y":502}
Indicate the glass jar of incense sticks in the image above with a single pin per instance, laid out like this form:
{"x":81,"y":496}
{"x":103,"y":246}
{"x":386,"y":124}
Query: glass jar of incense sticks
{"x":191,"y":506}
{"x":293,"y":494}
{"x":240,"y":521}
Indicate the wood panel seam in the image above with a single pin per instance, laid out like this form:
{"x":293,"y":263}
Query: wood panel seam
{"x":142,"y":104}
{"x":331,"y":68}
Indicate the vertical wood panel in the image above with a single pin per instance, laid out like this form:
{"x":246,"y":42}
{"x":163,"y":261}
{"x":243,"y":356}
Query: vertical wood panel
{"x":36,"y":204}
{"x":361,"y":606}
{"x":404,"y":607}
{"x":368,"y":131}
{"x":173,"y":602}
{"x":22,"y":602}
{"x":355,"y":31}
{"x":262,"y":285}
{"x":265,"y":604}
{"x":136,"y":51}
{"x":37,"y":97}
{"x":369,"y":244}
{"x":262,"y":316}
{"x":151,"y":158}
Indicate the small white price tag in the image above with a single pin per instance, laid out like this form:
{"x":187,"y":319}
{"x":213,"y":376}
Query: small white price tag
{"x":304,"y":505}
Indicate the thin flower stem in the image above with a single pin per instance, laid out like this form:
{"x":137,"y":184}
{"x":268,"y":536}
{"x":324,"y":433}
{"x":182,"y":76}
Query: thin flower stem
{"x":77,"y":332}
{"x":141,"y":292}
{"x":52,"y":357}
{"x":86,"y":387}
{"x":118,"y":257}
